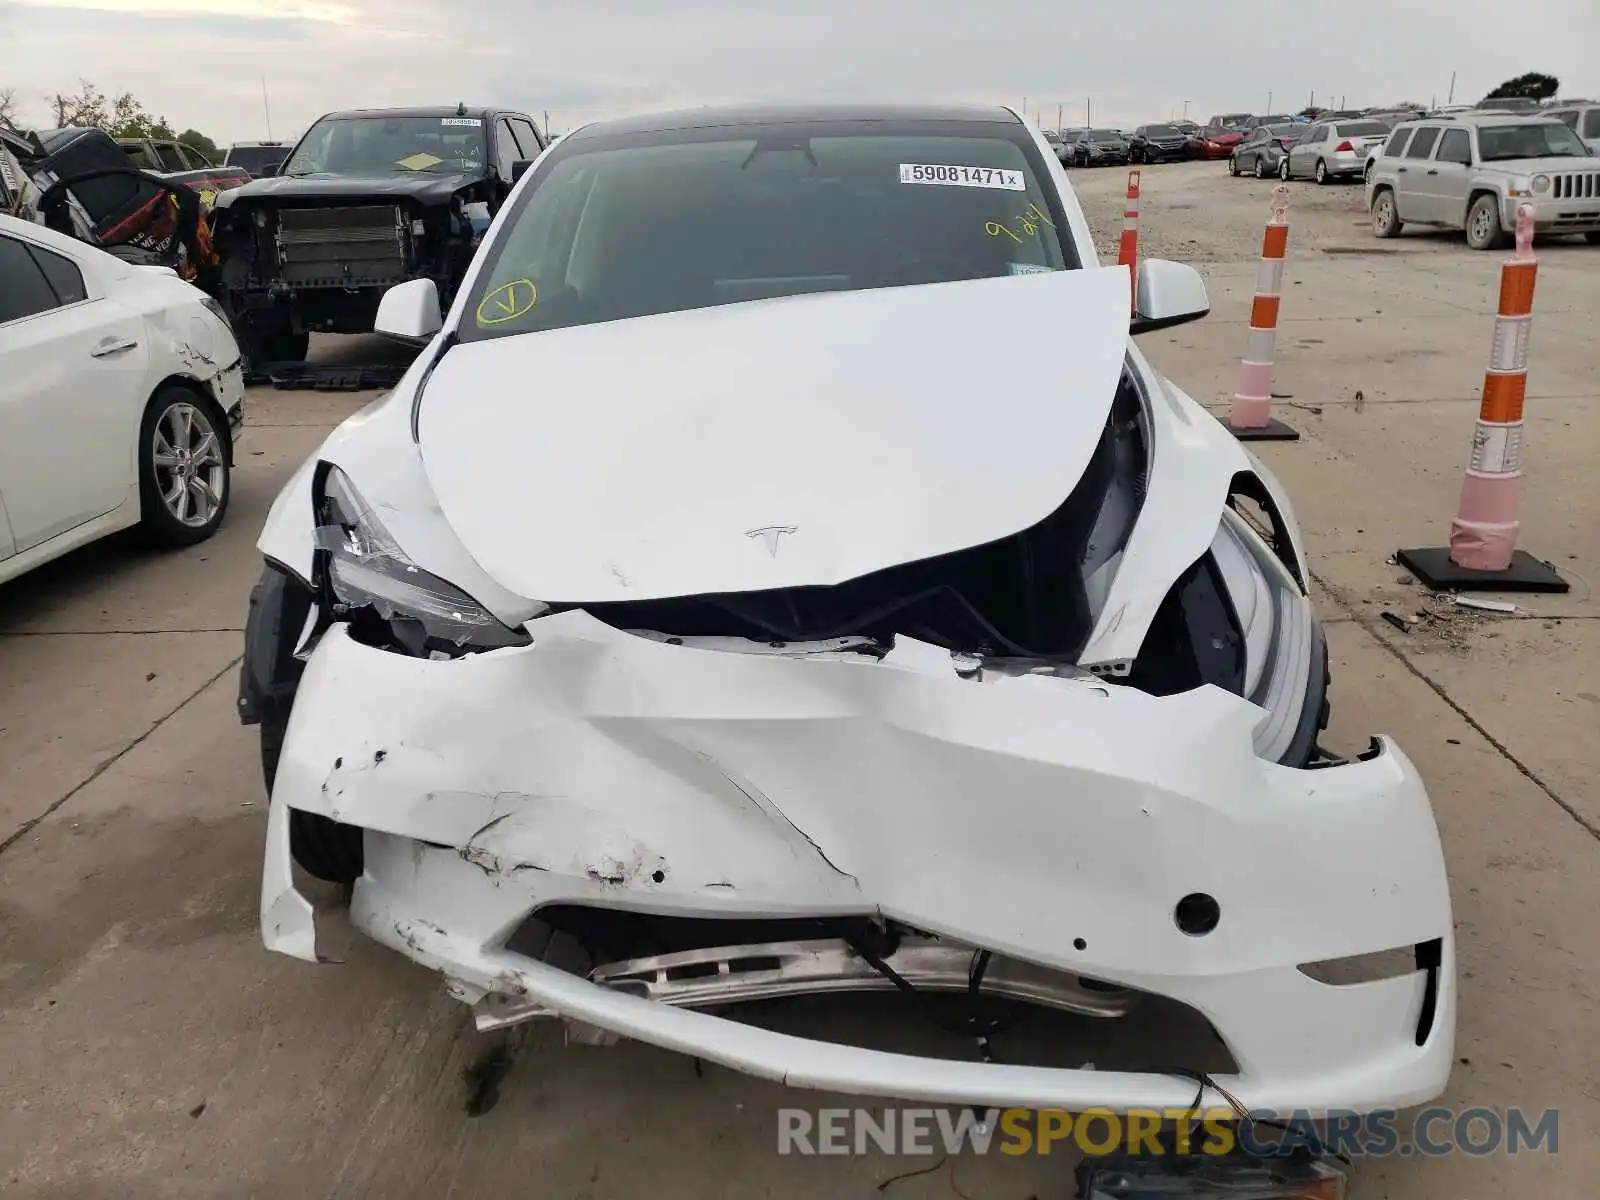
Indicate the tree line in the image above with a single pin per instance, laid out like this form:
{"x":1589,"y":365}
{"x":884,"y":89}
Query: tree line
{"x":122,"y":116}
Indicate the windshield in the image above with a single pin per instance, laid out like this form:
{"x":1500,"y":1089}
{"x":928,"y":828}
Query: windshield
{"x":389,"y":146}
{"x":1361,"y":129}
{"x":1547,"y":139}
{"x":254,"y":158}
{"x":1162,"y":131}
{"x":1105,"y":135}
{"x":1288,"y":129}
{"x":634,"y":225}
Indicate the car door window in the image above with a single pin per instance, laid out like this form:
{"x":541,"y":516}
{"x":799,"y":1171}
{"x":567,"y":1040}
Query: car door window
{"x":196,"y":160}
{"x":1569,"y":119}
{"x":1423,"y":142}
{"x":1455,"y":147}
{"x":25,"y":290}
{"x":527,"y":137}
{"x":1591,"y":123}
{"x":139,"y":156}
{"x":170,"y":159}
{"x":62,"y":274}
{"x":1396,"y":143}
{"x":505,"y":148}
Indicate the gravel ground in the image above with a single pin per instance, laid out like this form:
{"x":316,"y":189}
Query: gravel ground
{"x":1193,"y":212}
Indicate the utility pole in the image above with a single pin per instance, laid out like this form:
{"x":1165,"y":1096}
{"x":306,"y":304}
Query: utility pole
{"x":266,"y":107}
{"x":1185,"y":110}
{"x":1059,"y":107}
{"x":1269,"y":102}
{"x":1024,"y":108}
{"x":547,"y":124}
{"x":1087,"y":119}
{"x":1452,"y":98}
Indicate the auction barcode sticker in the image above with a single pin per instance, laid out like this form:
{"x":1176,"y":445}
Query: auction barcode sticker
{"x":980,"y":177}
{"x":467,"y":122}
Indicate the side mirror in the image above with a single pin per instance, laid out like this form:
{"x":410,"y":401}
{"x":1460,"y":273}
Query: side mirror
{"x":409,"y":312}
{"x":1168,"y":294}
{"x":520,"y":168}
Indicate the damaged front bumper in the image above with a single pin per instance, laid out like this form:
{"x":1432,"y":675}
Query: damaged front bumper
{"x":1057,"y":822}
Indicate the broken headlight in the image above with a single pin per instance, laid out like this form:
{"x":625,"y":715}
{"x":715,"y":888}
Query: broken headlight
{"x":367,"y":580}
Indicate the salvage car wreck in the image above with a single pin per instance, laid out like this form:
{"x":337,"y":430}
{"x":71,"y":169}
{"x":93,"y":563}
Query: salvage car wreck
{"x":711,"y":616}
{"x":78,"y":182}
{"x":366,"y":199}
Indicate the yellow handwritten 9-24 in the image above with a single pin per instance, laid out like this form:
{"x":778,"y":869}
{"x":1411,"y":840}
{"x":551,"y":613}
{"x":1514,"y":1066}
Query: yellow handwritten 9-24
{"x":1028,"y":222}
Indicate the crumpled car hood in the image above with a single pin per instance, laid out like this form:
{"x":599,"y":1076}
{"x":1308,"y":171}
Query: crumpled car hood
{"x":311,"y":189}
{"x":771,"y":444}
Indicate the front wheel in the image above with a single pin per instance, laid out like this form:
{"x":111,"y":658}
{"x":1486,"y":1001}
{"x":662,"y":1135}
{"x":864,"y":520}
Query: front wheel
{"x":1385,"y":216}
{"x":184,"y":469}
{"x":1283,"y":169}
{"x":1322,"y":172}
{"x":1261,"y":168}
{"x":1483,"y":224}
{"x":1233,"y":166}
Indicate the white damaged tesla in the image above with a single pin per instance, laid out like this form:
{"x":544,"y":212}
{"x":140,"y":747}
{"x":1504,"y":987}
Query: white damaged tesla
{"x":780,"y":573}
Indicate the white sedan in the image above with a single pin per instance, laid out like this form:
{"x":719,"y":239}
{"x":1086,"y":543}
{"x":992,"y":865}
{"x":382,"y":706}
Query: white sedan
{"x":121,"y":396}
{"x":737,"y":600}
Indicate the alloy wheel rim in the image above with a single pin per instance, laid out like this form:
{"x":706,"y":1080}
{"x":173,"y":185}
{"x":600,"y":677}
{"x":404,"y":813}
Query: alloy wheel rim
{"x":189,"y":468}
{"x":1384,"y":207}
{"x":1480,"y":225}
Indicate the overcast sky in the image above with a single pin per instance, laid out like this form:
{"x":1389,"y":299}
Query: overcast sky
{"x":200,"y":63}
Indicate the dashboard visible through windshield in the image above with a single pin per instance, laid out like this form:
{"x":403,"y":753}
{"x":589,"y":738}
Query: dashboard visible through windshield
{"x":389,"y":145}
{"x":640,"y":224}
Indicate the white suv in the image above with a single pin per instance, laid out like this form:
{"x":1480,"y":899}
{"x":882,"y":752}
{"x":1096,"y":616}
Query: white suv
{"x":1582,"y":118}
{"x":1473,"y":172}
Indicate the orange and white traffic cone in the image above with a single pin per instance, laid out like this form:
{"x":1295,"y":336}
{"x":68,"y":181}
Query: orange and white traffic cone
{"x":1483,"y":553}
{"x":1128,"y":250}
{"x":1250,"y":419}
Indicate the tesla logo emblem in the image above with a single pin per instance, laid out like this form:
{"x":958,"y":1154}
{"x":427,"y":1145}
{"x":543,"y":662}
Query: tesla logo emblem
{"x":771,"y":534}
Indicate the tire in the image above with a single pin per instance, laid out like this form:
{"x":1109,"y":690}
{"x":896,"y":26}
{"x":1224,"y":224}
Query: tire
{"x":1483,"y":224}
{"x":1592,"y":237}
{"x":1233,"y":166}
{"x":1385,"y":215}
{"x":185,"y":467}
{"x":1261,"y":168}
{"x":1366,"y":175}
{"x":1323,"y":177}
{"x":324,"y":849}
{"x":1283,"y":168}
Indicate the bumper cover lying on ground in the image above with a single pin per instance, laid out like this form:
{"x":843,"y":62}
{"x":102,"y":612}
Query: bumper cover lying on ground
{"x":1056,"y":821}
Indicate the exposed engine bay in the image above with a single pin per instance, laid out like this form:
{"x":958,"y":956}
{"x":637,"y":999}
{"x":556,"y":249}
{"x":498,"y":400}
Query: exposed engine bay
{"x":289,"y":268}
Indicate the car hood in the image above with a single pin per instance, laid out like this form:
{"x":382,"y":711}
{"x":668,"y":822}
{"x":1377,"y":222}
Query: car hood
{"x":774,"y":443}
{"x":300,"y":190}
{"x":1541,"y":166}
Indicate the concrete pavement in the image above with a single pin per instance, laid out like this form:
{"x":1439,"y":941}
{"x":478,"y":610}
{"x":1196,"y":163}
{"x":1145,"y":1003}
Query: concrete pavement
{"x":152,"y":1048}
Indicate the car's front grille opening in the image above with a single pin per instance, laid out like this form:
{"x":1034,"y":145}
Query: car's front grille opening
{"x":816,"y":978}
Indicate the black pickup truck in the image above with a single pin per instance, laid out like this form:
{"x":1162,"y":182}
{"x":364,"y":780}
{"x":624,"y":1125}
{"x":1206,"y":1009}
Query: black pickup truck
{"x":366,"y":199}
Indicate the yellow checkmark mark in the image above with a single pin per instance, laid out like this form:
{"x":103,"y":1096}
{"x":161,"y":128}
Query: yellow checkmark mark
{"x":507,"y":302}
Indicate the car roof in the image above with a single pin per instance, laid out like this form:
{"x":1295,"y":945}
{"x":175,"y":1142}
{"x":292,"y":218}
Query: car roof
{"x":43,"y":235}
{"x":436,"y":110}
{"x":675,"y":120}
{"x":1484,"y":120}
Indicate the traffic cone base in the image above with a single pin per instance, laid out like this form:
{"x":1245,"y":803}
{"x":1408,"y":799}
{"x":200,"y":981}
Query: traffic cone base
{"x":1434,"y":570}
{"x":1273,"y":431}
